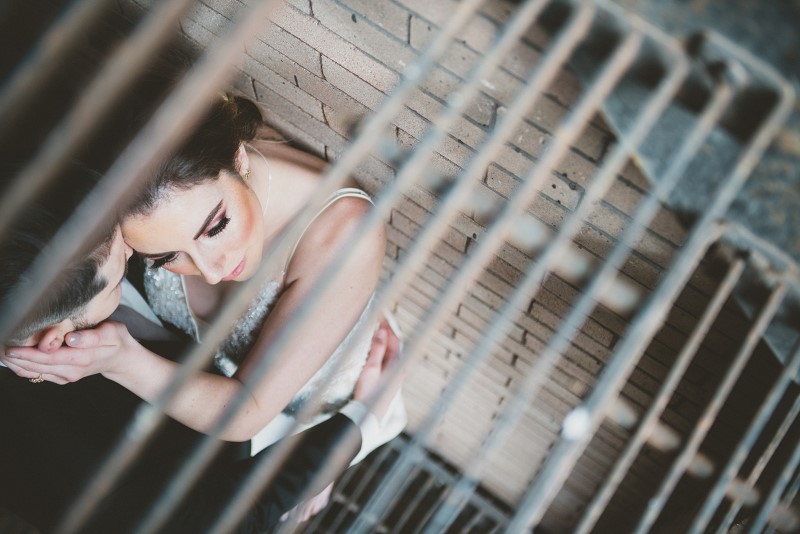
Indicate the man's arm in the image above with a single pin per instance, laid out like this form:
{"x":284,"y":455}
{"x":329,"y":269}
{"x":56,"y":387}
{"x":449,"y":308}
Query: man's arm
{"x":318,"y":456}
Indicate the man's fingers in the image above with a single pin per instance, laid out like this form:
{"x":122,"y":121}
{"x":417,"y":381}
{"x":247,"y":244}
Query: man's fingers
{"x":378,"y":348}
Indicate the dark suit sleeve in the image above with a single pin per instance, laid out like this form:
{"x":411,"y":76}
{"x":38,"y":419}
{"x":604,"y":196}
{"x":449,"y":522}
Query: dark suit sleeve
{"x":314,"y":449}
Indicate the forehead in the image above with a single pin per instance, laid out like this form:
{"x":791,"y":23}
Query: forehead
{"x":178,"y":215}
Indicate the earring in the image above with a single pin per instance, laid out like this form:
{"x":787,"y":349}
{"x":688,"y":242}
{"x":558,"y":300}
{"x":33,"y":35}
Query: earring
{"x":246,"y":175}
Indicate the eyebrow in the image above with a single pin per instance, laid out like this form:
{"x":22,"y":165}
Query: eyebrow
{"x":208,"y":220}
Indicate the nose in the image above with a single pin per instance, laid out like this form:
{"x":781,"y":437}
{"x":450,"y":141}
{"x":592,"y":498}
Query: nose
{"x":209,"y":268}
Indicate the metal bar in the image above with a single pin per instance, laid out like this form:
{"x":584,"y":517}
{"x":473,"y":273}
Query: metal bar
{"x":363,"y":483}
{"x":300,"y":313}
{"x":788,"y":498}
{"x":32,"y":73}
{"x":780,"y":434}
{"x":747,"y":442}
{"x":414,"y":168}
{"x":535,"y":82}
{"x":412,"y":506}
{"x":773,"y":497}
{"x":335,"y":178}
{"x":460,"y":280}
{"x":665,"y":392}
{"x":530,"y":510}
{"x":473,"y":523}
{"x":542,"y":493}
{"x":426,"y":517}
{"x":95,"y":103}
{"x":176,"y":115}
{"x":147,"y":420}
{"x":701,"y":429}
{"x":574,"y":125}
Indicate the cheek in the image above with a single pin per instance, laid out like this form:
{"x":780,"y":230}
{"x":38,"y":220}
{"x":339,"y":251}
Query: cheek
{"x":248,"y":232}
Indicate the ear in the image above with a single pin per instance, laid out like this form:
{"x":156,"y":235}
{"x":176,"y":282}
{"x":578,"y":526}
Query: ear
{"x":241,"y":160}
{"x":52,"y":337}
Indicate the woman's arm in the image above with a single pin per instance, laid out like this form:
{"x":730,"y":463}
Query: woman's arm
{"x":110,"y":350}
{"x":334,"y":314}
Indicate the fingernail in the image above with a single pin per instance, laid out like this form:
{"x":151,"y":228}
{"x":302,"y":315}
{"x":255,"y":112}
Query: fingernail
{"x":380,"y":335}
{"x":12,"y":355}
{"x":74,"y":338}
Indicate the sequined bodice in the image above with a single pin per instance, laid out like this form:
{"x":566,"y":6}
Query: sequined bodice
{"x":166,"y":293}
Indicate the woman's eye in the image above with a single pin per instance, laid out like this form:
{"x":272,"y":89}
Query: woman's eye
{"x":219,"y":227}
{"x":156,"y":263}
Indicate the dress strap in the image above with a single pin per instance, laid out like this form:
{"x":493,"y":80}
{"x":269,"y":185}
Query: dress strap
{"x":345,"y":192}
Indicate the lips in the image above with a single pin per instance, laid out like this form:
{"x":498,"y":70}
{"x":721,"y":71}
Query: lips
{"x":236,"y":272}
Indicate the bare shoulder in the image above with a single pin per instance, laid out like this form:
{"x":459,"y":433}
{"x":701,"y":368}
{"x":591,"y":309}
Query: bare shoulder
{"x":334,"y":228}
{"x":339,"y":220}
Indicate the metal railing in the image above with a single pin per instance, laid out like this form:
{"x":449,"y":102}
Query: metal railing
{"x":610,"y":51}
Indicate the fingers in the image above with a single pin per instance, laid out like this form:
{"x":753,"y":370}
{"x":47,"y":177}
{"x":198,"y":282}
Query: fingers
{"x":29,"y":354}
{"x":61,"y":367}
{"x":64,"y":356}
{"x":104,"y":335}
{"x":379,"y":345}
{"x":33,"y":374}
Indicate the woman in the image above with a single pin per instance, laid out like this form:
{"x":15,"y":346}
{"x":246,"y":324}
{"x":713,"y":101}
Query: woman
{"x":202,"y":225}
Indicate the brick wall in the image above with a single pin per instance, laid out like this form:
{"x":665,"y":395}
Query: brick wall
{"x":323,"y":65}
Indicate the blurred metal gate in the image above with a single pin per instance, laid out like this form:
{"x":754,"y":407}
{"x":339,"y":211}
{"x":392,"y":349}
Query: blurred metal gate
{"x":695,"y":118}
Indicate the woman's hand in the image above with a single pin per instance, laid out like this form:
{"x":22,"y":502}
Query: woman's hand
{"x":85,"y":353}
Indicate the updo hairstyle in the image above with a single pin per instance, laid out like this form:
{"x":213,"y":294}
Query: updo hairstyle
{"x":209,"y":150}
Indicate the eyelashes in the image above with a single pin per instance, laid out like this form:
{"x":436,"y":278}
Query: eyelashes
{"x":219,"y":227}
{"x":157,"y":263}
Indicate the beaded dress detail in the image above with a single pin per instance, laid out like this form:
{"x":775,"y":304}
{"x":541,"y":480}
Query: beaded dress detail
{"x":333,"y":382}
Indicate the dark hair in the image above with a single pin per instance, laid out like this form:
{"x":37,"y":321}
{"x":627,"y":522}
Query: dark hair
{"x":209,"y":150}
{"x":27,"y":239}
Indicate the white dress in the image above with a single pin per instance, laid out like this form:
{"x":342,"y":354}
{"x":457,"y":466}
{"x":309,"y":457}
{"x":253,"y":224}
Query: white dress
{"x":333,"y":382}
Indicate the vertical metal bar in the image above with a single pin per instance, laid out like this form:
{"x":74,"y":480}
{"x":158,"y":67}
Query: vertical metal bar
{"x":536,"y":82}
{"x":531,"y":508}
{"x":644,"y":212}
{"x":461,"y":279}
{"x":177,"y":114}
{"x":59,"y":37}
{"x":358,"y":492}
{"x":411,"y":507}
{"x":701,"y":429}
{"x":335,"y":178}
{"x":566,"y":453}
{"x":473,"y":523}
{"x":659,"y":403}
{"x":423,"y":521}
{"x":761,"y":519}
{"x":94,"y":104}
{"x":561,"y":142}
{"x":747,"y":442}
{"x":780,"y":434}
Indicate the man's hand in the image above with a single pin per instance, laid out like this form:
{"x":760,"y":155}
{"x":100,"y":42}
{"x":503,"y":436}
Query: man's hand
{"x":87,"y":352}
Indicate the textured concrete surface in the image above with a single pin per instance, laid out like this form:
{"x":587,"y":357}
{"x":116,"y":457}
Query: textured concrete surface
{"x":769,"y":204}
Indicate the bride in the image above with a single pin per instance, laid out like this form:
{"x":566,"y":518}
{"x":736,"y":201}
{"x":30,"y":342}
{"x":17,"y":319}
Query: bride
{"x":202,"y":225}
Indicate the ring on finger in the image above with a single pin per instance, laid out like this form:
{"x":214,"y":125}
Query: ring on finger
{"x":39,"y":379}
